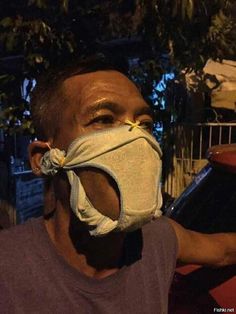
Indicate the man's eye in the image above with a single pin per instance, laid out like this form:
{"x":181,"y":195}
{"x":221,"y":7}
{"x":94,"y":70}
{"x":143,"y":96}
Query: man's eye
{"x":148,"y":125}
{"x":106,"y":119}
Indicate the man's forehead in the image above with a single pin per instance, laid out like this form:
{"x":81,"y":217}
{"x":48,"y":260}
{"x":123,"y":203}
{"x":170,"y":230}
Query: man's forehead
{"x":100,"y":81}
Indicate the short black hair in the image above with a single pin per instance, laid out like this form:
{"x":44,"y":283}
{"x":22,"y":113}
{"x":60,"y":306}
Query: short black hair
{"x":48,"y":100}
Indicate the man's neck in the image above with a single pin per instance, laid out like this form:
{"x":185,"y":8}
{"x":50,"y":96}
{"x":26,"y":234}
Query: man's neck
{"x":94,"y":257}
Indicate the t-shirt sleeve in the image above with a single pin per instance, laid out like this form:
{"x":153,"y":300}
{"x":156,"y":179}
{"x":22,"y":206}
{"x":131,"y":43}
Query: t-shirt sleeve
{"x":163,"y":247}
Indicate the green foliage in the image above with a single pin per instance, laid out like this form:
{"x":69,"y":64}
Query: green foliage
{"x":190,"y":31}
{"x":45,"y":33}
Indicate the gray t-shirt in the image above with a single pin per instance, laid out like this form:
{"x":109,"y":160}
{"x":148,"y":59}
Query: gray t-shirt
{"x":34,"y":278}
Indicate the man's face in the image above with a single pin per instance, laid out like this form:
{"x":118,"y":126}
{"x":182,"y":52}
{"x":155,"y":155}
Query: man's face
{"x":100,"y":100}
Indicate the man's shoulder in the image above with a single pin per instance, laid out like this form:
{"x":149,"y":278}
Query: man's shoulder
{"x":160,"y":244}
{"x":160,"y":232}
{"x":159,"y":226}
{"x":14,"y":240}
{"x":19,"y":230}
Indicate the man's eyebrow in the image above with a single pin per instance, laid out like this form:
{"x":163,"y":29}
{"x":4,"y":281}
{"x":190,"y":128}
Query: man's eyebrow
{"x":114,"y":107}
{"x":117,"y":109}
{"x":145,"y":111}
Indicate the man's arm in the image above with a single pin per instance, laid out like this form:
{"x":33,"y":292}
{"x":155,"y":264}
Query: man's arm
{"x":216,"y":250}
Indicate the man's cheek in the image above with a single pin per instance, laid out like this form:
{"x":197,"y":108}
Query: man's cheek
{"x":101,"y":190}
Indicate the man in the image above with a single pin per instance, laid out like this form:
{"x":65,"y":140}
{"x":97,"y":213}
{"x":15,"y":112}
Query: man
{"x":95,"y":252}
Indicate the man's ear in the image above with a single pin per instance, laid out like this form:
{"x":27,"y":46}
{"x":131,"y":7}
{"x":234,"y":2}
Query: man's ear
{"x":36,"y":151}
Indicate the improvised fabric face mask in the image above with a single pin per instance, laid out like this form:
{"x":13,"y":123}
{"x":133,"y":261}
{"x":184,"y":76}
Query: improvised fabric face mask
{"x":131,"y":156}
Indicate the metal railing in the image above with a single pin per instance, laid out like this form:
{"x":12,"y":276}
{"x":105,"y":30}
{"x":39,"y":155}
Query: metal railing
{"x":191,"y":142}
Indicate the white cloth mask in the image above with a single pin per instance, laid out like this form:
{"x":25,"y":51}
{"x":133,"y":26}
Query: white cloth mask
{"x":131,"y":156}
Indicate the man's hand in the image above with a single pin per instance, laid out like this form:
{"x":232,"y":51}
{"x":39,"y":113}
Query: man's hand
{"x":215,"y":250}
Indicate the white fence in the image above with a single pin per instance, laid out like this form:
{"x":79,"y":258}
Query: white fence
{"x":191,"y":142}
